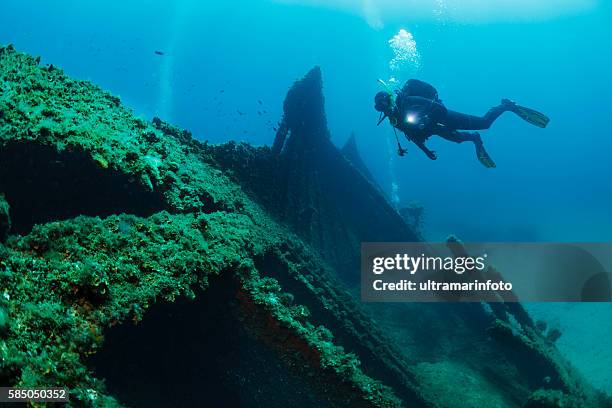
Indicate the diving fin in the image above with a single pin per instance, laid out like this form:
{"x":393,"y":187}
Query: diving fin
{"x":529,"y":115}
{"x":484,"y":157}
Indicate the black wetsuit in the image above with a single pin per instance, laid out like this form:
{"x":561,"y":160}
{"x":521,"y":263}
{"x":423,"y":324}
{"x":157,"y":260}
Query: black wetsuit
{"x":419,"y":118}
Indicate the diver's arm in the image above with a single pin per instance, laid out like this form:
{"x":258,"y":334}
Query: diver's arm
{"x":430,"y":153}
{"x":418,"y":138}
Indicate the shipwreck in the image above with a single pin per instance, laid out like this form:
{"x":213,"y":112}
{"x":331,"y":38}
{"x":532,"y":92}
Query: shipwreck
{"x":140,"y":266}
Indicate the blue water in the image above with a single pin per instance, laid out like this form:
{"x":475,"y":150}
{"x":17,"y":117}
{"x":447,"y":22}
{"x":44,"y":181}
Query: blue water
{"x":225,"y":61}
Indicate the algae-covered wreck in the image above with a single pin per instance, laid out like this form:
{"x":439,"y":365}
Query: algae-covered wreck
{"x":141,"y":267}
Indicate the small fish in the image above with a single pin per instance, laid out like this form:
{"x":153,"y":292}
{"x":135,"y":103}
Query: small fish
{"x":260,"y":102}
{"x":240,"y":113}
{"x":158,"y":52}
{"x":222,"y":91}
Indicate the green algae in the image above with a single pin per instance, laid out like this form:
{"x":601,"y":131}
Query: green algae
{"x":61,"y":292}
{"x":67,"y":281}
{"x":44,"y":106}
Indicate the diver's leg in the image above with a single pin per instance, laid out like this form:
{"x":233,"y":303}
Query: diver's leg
{"x":459,"y":137}
{"x":457,"y":120}
{"x":474,"y":137}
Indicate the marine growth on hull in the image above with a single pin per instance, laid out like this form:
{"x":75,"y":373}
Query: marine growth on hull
{"x":142,"y":267}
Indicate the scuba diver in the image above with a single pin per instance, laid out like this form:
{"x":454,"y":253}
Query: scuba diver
{"x":419,"y":113}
